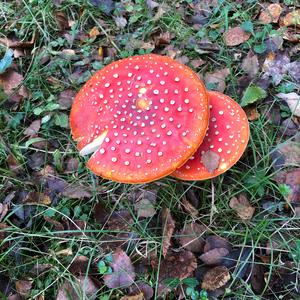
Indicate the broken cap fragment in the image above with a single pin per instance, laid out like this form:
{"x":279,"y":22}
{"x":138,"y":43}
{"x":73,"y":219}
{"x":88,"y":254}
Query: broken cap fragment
{"x":225,"y":141}
{"x":140,"y":118}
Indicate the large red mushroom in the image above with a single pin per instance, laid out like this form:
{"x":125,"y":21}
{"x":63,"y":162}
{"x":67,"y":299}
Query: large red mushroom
{"x":140,"y":118}
{"x":225,"y":141}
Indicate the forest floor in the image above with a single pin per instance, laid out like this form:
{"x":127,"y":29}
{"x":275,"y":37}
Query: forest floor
{"x":68,"y":234}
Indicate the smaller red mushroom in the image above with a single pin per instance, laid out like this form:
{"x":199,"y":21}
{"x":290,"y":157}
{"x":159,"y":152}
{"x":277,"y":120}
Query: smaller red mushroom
{"x":225,"y":142}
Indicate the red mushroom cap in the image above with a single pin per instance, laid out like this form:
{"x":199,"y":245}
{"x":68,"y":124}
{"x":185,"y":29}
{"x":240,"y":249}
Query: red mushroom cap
{"x":225,"y":141}
{"x":141,"y":117}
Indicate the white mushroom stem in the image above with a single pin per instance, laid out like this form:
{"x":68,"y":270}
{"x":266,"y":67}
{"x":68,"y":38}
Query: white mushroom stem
{"x":94,"y":145}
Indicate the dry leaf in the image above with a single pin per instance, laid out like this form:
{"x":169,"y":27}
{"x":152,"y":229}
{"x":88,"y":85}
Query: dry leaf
{"x":210,"y":160}
{"x":13,"y":164}
{"x":24,"y":287}
{"x":188,"y":207}
{"x":10,"y":80}
{"x":74,"y":191}
{"x":65,"y":98}
{"x":235,"y":36}
{"x":215,"y":278}
{"x":270,"y":14}
{"x":214,"y":256}
{"x":217,"y":79}
{"x":121,"y":22}
{"x":252,"y":113}
{"x":242,"y":207}
{"x":83,"y":287}
{"x":37,"y":198}
{"x":291,"y":19}
{"x":139,"y":296}
{"x":292,"y":100}
{"x":141,"y":287}
{"x":191,"y":237}
{"x":144,"y":203}
{"x":33,"y":129}
{"x":177,"y":265}
{"x":214,"y":241}
{"x":168,"y":226}
{"x":250,"y":64}
{"x":275,"y":66}
{"x":123,"y":274}
{"x":94,"y":32}
{"x":286,"y":154}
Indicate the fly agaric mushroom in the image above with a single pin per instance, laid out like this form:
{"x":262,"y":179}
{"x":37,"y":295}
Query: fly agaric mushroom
{"x":225,"y":141}
{"x":141,"y":118}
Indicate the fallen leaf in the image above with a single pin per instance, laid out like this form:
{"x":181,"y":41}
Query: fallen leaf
{"x":293,"y":70}
{"x":65,"y":98}
{"x":286,"y":154}
{"x":216,"y":80}
{"x":107,"y":6}
{"x":13,"y":164}
{"x":250,"y":64}
{"x":6,"y":61}
{"x":24,"y":287}
{"x":270,"y":14}
{"x":215,"y":241}
{"x":80,"y":288}
{"x":121,"y":22}
{"x":168,"y":226}
{"x":160,"y":12}
{"x":164,"y":38}
{"x":257,"y":278}
{"x":36,"y":198}
{"x":235,"y":36}
{"x":177,"y":265}
{"x":94,"y":32}
{"x":274,"y":66}
{"x":191,"y":237}
{"x":74,"y":191}
{"x":3,"y":210}
{"x":215,"y":278}
{"x":141,"y":287}
{"x":139,"y":296}
{"x":123,"y":274}
{"x":242,"y":207}
{"x":144,"y":208}
{"x":214,"y":256}
{"x":252,"y":113}
{"x":196,"y":63}
{"x":293,"y":101}
{"x":210,"y":160}
{"x":11,"y":80}
{"x":61,"y":20}
{"x":33,"y":129}
{"x":40,"y":269}
{"x":291,"y":19}
{"x":152,"y":4}
{"x":188,"y":207}
{"x":14,"y":43}
{"x":252,"y":94}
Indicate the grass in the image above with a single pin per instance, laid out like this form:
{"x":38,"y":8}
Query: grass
{"x":31,"y":240}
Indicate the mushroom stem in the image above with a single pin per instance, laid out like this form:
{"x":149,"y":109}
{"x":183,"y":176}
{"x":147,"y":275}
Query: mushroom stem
{"x":94,"y":145}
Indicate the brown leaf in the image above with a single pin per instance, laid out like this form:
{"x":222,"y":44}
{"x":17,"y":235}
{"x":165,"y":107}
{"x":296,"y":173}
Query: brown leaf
{"x":168,"y":226}
{"x":196,"y":63}
{"x":177,"y":265}
{"x":74,"y":191}
{"x":94,"y":32}
{"x":163,"y":38}
{"x":123,"y":274}
{"x":215,"y":241}
{"x":139,"y":296}
{"x":291,"y":19}
{"x":71,"y":165}
{"x":141,"y":287}
{"x":292,"y":100}
{"x":11,"y":80}
{"x":217,"y":79}
{"x":242,"y":207}
{"x":235,"y":36}
{"x":13,"y":164}
{"x":286,"y":155}
{"x":215,"y":278}
{"x":82,"y":287}
{"x":33,"y":128}
{"x":210,"y":160}
{"x":252,"y":113}
{"x":144,"y":203}
{"x":214,"y":256}
{"x":188,"y":207}
{"x":250,"y":64}
{"x":3,"y":210}
{"x":257,"y":278}
{"x":191,"y":237}
{"x":17,"y":44}
{"x":37,"y":198}
{"x":24,"y":287}
{"x":270,"y":14}
{"x":62,"y":20}
{"x":65,"y":98}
